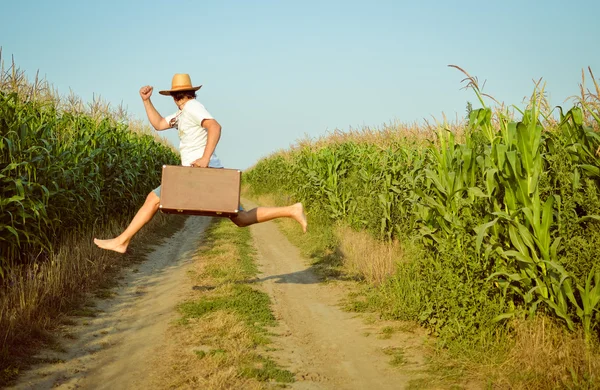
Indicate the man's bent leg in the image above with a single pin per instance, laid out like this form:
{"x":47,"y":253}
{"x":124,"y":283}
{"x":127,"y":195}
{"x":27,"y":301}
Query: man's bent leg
{"x":263,"y":214}
{"x":143,"y":216}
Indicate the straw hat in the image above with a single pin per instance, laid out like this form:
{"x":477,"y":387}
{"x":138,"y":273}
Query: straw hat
{"x":181,"y":82}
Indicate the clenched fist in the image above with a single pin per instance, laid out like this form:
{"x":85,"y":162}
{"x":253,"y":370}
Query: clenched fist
{"x":146,"y":92}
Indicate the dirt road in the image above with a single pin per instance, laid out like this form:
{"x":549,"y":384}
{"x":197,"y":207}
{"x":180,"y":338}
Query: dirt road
{"x":326,"y":347}
{"x":109,"y":351}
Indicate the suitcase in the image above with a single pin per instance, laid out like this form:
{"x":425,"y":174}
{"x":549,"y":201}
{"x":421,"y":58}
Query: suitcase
{"x":211,"y":192}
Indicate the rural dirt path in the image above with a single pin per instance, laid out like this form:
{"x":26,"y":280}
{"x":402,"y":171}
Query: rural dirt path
{"x":326,"y":347}
{"x":110,"y":351}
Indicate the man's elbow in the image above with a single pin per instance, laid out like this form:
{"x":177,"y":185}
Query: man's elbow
{"x":215,"y":128}
{"x":161,"y":125}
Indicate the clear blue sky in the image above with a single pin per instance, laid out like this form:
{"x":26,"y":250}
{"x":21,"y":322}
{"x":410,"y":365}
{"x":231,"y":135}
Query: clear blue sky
{"x":275,"y":71}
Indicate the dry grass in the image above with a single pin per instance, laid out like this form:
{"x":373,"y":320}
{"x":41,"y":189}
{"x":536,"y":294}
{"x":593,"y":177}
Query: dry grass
{"x":387,"y":135}
{"x":12,"y":79}
{"x":34,"y":298}
{"x":204,"y":354}
{"x":534,"y":354}
{"x":546,"y":356}
{"x":367,"y":257}
{"x":590,"y":99}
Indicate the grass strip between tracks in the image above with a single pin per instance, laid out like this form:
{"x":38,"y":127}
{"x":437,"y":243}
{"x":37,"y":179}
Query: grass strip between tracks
{"x":222,"y":338}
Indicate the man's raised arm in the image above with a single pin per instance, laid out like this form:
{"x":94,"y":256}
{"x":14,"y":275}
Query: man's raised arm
{"x":156,"y":120}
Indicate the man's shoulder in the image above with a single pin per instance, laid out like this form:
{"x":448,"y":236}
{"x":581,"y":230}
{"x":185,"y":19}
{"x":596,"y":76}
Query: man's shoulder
{"x":195,"y":103}
{"x":197,"y":109}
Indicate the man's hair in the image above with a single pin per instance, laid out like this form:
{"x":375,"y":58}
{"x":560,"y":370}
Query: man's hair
{"x":183,"y":94}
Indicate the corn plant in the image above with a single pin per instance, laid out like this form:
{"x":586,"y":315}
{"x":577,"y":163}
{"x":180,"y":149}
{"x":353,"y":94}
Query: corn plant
{"x":450,"y":186}
{"x":532,"y":269}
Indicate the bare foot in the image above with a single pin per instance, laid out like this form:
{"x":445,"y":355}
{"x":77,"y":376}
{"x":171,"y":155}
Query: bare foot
{"x":298,"y":215}
{"x":111,"y":245}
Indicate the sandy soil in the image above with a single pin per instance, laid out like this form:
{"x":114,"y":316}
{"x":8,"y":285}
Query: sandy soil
{"x":326,"y":347}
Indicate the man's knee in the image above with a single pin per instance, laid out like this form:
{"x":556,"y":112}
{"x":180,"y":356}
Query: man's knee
{"x":152,"y":200}
{"x":239,"y":221}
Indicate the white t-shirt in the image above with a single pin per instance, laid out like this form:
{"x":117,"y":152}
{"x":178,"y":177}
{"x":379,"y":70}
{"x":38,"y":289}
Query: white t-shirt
{"x":192,"y":136}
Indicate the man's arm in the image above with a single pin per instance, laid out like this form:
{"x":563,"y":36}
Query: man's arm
{"x":214,"y":134}
{"x":156,"y":120}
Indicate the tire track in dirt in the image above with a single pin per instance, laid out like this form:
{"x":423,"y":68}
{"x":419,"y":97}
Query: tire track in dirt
{"x":113,"y":350}
{"x":325,"y":346}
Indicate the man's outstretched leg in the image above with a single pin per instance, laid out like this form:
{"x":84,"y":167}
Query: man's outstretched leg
{"x":263,"y":214}
{"x":143,"y":216}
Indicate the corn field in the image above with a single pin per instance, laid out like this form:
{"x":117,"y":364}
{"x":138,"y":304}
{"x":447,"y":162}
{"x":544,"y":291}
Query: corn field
{"x":61,"y":170}
{"x":508,"y":211}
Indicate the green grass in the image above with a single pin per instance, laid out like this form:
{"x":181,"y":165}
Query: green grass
{"x":266,"y":370}
{"x":397,"y":355}
{"x":251,"y":305}
{"x":242,"y":239}
{"x":386,"y":332}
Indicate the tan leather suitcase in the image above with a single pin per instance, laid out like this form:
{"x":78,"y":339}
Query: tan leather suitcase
{"x":200,"y":191}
